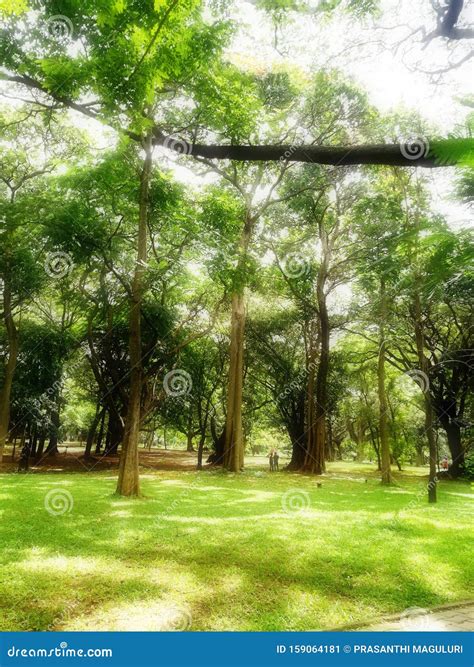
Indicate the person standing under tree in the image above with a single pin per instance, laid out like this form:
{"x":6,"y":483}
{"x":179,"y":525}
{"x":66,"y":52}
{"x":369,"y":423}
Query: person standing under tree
{"x":271,"y":459}
{"x":276,"y":457}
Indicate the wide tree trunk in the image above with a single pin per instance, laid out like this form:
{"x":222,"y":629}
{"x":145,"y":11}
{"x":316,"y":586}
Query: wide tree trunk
{"x":316,"y":444}
{"x":217,"y":457}
{"x":445,"y":407}
{"x":295,"y":424}
{"x":233,"y":458}
{"x":40,"y":446}
{"x":128,"y":481}
{"x":453,"y":435}
{"x":10,"y":366}
{"x":382,"y":394}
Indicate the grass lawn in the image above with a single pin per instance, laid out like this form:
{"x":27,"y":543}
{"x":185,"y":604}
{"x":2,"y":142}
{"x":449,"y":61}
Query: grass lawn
{"x":257,"y":551}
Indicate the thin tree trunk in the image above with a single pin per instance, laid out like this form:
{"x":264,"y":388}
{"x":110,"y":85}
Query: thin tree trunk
{"x":382,"y":394}
{"x":92,"y":430}
{"x":128,"y":481}
{"x":101,"y":432}
{"x":311,"y":442}
{"x":322,"y":377}
{"x":33,"y":440}
{"x":9,"y":372}
{"x":52,"y":448}
{"x":202,"y":440}
{"x":189,"y":434}
{"x":234,"y":444}
{"x":429,"y":415}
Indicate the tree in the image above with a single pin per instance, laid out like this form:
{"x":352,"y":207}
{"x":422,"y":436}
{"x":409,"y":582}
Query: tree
{"x":29,"y":152}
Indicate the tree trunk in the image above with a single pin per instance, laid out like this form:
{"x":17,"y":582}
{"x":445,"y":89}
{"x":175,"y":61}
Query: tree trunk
{"x":39,"y":449}
{"x":429,"y":415}
{"x":92,"y":431}
{"x":383,"y":404}
{"x":9,"y":372}
{"x":217,"y":457}
{"x":453,"y":434}
{"x":234,"y":443}
{"x":233,"y":459}
{"x":322,"y":381}
{"x":202,"y":440}
{"x":115,"y":432}
{"x":128,"y":480}
{"x":311,"y":444}
{"x":33,"y":440}
{"x":189,"y":434}
{"x":52,"y":448}
{"x":316,"y":446}
{"x":295,"y":423}
{"x":100,"y":435}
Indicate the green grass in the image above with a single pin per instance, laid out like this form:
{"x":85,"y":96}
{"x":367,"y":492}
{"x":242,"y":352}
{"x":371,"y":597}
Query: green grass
{"x":223,"y":548}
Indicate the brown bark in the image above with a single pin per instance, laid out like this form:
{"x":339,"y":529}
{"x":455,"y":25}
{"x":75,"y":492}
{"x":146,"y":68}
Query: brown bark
{"x":316,"y":445}
{"x":100,"y":434}
{"x":128,"y":481}
{"x":9,"y":372}
{"x":92,"y":430}
{"x":382,"y":394}
{"x":429,"y":414}
{"x":52,"y":448}
{"x":387,"y":154}
{"x":190,"y":432}
{"x":234,"y":445}
{"x":234,"y":442}
{"x":311,"y":457}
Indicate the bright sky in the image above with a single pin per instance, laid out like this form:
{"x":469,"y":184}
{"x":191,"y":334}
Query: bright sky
{"x":392,"y":77}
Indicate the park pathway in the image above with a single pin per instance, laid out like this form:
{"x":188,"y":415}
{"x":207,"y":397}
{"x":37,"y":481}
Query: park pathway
{"x":450,"y":619}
